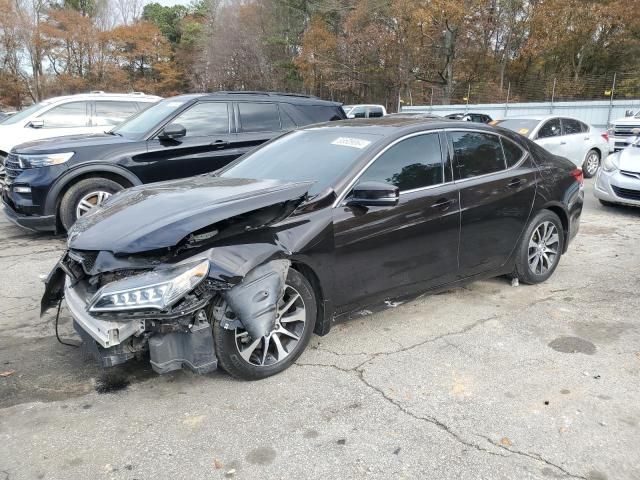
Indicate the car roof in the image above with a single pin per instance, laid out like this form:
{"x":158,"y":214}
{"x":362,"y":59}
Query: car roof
{"x":540,"y":117}
{"x":262,"y":96}
{"x":396,"y":125}
{"x":102,"y":95}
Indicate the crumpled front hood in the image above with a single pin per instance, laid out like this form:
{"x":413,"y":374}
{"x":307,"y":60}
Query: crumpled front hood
{"x":630,"y":159}
{"x":159,"y":215}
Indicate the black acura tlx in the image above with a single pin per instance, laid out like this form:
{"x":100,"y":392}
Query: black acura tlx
{"x":241,"y":266}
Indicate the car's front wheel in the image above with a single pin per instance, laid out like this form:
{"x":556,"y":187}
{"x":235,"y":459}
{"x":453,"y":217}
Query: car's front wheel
{"x":591,"y":163}
{"x":256,"y":358}
{"x":540,"y":249}
{"x":83,"y":196}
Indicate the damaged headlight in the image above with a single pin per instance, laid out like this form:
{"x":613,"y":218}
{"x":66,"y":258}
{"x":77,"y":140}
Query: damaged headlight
{"x":154,"y":290}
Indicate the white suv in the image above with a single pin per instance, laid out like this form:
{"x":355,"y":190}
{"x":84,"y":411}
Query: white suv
{"x":70,"y":115}
{"x":621,"y":131}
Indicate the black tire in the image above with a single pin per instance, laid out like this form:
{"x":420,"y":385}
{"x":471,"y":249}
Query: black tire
{"x":78,"y":191}
{"x":585,"y":170}
{"x":604,"y":203}
{"x":523,"y":269}
{"x":225,"y":340}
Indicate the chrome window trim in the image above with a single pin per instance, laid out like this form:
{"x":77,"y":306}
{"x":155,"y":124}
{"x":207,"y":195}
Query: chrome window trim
{"x":498,"y":134}
{"x":350,"y":185}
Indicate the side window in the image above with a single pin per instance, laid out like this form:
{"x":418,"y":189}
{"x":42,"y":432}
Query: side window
{"x":205,"y":119}
{"x":551,"y":128}
{"x":375,"y":112}
{"x":286,"y":121}
{"x":571,"y":126}
{"x":512,"y":152}
{"x":412,"y":163}
{"x":477,"y":153}
{"x":584,"y":127}
{"x":72,"y":114}
{"x":358,"y":112}
{"x":259,"y":117}
{"x":112,"y":113}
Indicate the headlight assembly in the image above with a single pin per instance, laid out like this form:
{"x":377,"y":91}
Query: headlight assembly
{"x":611,"y":163}
{"x":45,"y":160}
{"x":155,"y":290}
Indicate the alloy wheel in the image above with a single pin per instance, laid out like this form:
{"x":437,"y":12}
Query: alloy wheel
{"x":282,"y":341}
{"x":592,"y":163}
{"x":543,"y":248}
{"x":90,"y":200}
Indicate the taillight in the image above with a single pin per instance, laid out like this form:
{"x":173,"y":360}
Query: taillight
{"x":605,"y":135}
{"x":578,"y":175}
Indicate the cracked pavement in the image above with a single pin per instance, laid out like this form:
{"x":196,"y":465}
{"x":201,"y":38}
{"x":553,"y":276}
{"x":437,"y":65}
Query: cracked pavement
{"x":487,"y":381}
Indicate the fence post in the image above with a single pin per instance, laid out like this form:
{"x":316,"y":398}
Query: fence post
{"x":553,"y":94}
{"x":431,"y":100}
{"x":466,"y":108}
{"x":613,"y":89}
{"x":506,"y":105}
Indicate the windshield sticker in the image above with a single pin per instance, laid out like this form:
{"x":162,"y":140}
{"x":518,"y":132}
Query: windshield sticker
{"x":351,"y":142}
{"x":523,"y":131}
{"x":493,"y":122}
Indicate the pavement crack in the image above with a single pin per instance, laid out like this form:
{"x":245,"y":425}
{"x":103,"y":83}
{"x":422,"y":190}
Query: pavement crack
{"x":538,"y":457}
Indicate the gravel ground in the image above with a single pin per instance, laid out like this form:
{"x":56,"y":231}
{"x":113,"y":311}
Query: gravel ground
{"x":488,"y":381}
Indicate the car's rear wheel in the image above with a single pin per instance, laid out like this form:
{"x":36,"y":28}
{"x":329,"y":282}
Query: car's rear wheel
{"x":591,"y":163}
{"x":83,"y":196}
{"x":540,"y":249}
{"x":256,"y":358}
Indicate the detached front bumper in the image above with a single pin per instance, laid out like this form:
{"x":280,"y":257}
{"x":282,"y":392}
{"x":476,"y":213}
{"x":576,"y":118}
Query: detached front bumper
{"x":618,"y":187}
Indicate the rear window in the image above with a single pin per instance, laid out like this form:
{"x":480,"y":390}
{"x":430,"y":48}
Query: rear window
{"x":523,"y":126}
{"x":320,"y":113}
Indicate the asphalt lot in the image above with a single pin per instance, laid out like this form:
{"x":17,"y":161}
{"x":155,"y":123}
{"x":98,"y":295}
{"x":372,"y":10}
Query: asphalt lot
{"x":488,"y":381}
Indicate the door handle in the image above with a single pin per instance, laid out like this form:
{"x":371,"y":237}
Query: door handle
{"x":442,"y":204}
{"x":516,"y":182}
{"x":220,"y":143}
{"x":563,"y":142}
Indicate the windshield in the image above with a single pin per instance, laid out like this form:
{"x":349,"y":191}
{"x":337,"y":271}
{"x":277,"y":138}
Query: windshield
{"x":322,"y":156}
{"x":523,"y":126}
{"x":138,"y":126}
{"x":21,"y":115}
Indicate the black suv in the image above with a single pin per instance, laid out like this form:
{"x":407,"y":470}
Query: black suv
{"x":50,"y":183}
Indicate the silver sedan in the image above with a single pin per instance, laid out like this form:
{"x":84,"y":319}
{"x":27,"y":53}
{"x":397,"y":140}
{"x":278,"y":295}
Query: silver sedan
{"x":618,"y":180}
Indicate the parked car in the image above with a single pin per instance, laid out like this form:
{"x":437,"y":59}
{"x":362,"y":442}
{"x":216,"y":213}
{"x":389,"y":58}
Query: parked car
{"x":364,"y":111}
{"x":620,"y":131}
{"x":568,"y":137}
{"x":237,"y":268}
{"x":618,"y":180}
{"x":70,"y":115}
{"x":470,"y":117}
{"x":52,"y":183}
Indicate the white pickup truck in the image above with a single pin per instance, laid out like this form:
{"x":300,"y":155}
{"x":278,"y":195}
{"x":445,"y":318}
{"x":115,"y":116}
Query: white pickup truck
{"x":620,"y":131}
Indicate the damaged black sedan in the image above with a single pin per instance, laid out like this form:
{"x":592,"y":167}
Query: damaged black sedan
{"x":240,"y":267}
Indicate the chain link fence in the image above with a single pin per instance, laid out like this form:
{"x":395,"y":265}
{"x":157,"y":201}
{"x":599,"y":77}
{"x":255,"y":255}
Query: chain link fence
{"x":607,"y":86}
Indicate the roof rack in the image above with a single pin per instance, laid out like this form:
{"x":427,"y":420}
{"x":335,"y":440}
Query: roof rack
{"x":256,"y":92}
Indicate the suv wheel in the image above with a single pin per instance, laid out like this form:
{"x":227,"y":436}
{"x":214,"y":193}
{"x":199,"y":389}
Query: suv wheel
{"x":83,"y":196}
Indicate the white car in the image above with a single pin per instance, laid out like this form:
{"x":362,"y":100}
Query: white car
{"x":364,"y":111}
{"x":70,"y":115}
{"x":568,"y":137}
{"x":621,"y":131}
{"x":618,"y":181}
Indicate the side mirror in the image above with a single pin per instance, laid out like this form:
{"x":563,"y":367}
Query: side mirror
{"x":374,"y":194}
{"x":628,"y":113}
{"x":172,"y":131}
{"x":36,"y":123}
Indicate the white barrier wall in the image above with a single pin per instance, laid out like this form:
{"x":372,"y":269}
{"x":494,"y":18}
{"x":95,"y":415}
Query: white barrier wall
{"x":595,"y":112}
